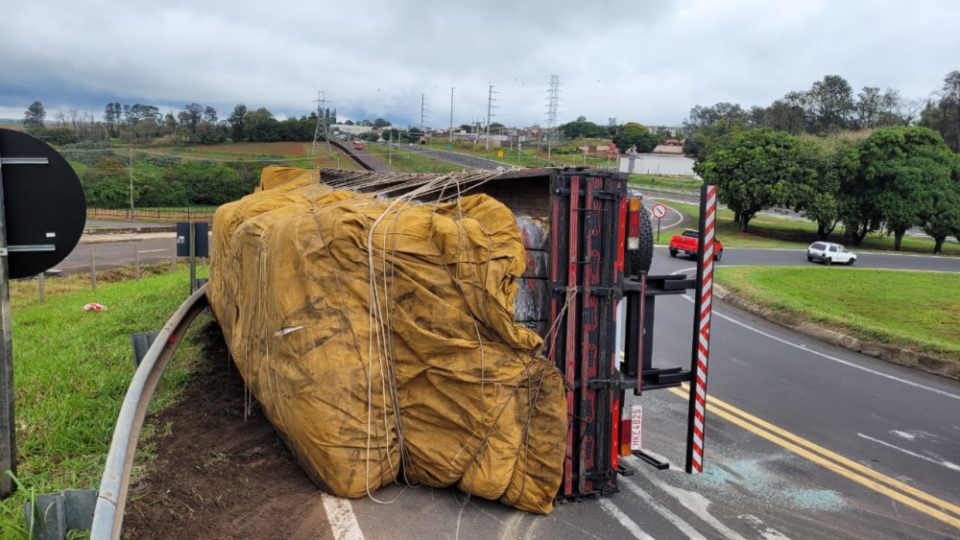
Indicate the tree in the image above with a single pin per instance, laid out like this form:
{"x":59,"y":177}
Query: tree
{"x":380,"y":123}
{"x":190,"y":118}
{"x":831,"y":104}
{"x":236,"y":121}
{"x":112,"y":117}
{"x":637,"y":136}
{"x":757,"y":169}
{"x":781,"y":115}
{"x":34,"y":115}
{"x":582,"y":128}
{"x":943,"y":115}
{"x":943,"y":216}
{"x":893,"y":179}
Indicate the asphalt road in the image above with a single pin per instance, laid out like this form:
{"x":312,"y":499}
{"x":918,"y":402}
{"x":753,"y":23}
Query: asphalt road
{"x":803,"y":440}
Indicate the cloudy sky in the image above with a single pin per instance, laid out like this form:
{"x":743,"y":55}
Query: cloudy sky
{"x":637,"y":61}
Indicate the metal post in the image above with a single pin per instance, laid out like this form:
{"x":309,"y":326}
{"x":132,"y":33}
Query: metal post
{"x":42,"y":286}
{"x":193,"y":258}
{"x":8,"y":435}
{"x":658,"y":228}
{"x":136,"y":259}
{"x":700,"y":355}
{"x":173,"y":260}
{"x":93,"y":269}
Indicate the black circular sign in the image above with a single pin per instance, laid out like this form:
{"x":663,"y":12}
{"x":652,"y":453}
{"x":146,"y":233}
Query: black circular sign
{"x":44,"y":203}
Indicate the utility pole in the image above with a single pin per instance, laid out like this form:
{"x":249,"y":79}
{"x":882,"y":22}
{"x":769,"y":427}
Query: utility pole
{"x":490,"y":108}
{"x":130,"y":169}
{"x":553,"y":100}
{"x":451,"y":114}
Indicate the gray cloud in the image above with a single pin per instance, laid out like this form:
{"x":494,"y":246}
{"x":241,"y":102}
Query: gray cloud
{"x":643,"y":61}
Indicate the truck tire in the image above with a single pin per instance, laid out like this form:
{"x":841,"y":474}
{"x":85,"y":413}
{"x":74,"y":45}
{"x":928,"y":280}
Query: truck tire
{"x":641,"y":259}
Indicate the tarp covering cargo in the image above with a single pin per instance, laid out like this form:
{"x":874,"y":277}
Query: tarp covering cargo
{"x":378,"y":334}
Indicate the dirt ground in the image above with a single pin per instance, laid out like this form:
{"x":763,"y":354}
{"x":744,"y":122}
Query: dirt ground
{"x":218,"y":475}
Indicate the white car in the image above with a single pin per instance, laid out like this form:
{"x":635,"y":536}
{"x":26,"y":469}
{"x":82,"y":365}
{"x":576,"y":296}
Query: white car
{"x":830,"y":253}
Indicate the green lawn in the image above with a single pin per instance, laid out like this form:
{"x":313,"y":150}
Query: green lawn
{"x":529,"y":156}
{"x":684,"y":183}
{"x":71,"y":371}
{"x":918,"y":310}
{"x":777,"y":232}
{"x":404,"y":160}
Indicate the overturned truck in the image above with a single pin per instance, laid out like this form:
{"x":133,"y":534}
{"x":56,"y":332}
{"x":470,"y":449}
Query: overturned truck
{"x":474,"y":329}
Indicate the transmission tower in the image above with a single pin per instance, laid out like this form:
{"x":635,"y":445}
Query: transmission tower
{"x":553,"y":101}
{"x":423,"y":114}
{"x":322,"y":125}
{"x":490,"y":107}
{"x":451,"y":114}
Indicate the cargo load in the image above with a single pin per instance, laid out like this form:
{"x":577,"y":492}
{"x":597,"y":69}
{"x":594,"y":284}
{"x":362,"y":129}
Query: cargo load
{"x":378,"y":331}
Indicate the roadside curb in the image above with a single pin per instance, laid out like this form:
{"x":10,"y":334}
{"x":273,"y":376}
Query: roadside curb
{"x":896,"y":355}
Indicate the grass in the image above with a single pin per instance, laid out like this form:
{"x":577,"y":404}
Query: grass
{"x":684,"y":183}
{"x":71,"y":371}
{"x":404,"y":160}
{"x":778,"y":232}
{"x":529,"y":156}
{"x":293,"y":154}
{"x":917,"y":310}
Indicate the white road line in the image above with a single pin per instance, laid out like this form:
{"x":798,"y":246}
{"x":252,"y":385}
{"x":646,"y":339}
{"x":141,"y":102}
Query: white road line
{"x":607,"y":505}
{"x":343,"y":522}
{"x":824,"y":355}
{"x":698,"y":504}
{"x":676,"y":520}
{"x":943,"y":463}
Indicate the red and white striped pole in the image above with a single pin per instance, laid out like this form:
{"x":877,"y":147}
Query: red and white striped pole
{"x":703,"y":308}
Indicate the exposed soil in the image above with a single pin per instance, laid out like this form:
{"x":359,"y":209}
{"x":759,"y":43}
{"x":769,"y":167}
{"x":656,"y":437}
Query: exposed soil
{"x":218,"y":475}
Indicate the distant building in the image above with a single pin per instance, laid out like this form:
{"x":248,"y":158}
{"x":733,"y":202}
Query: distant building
{"x":670,"y":146}
{"x":657,"y":164}
{"x":355,"y":129}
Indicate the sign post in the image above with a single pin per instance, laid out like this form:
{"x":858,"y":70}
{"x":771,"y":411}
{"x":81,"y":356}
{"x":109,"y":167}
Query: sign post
{"x":42,"y":215}
{"x":659,"y":211}
{"x":193,"y":242}
{"x":703,"y":309}
{"x":8,"y":433}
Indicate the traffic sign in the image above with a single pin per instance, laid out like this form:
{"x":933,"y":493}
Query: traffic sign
{"x":45,"y":207}
{"x":42,"y":215}
{"x":659,"y":211}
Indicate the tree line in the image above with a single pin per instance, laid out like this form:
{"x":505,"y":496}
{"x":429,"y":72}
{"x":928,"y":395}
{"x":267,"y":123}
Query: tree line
{"x":893,"y":180}
{"x":194,"y":124}
{"x":828,"y":106}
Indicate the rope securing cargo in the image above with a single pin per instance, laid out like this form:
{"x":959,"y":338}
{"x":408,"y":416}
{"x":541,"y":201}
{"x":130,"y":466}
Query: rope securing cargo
{"x":372,"y":316}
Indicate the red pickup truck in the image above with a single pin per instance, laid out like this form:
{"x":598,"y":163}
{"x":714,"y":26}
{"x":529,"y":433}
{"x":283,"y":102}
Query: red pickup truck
{"x":688,"y":242}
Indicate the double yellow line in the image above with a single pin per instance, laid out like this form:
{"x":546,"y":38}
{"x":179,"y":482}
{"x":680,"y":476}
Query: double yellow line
{"x":865,"y":476}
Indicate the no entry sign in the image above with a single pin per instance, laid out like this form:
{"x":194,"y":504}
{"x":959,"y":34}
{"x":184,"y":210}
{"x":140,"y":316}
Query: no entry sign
{"x":659,"y":211}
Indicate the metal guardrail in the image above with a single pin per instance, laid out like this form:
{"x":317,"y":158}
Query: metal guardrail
{"x":112,"y":497}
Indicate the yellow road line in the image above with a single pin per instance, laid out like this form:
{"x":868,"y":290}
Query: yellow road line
{"x":725,"y":411}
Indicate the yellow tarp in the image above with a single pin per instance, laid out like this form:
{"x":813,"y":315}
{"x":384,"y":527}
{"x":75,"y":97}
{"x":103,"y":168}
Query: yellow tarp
{"x":378,"y":332}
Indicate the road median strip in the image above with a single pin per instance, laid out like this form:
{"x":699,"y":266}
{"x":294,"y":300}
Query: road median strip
{"x":919,"y":500}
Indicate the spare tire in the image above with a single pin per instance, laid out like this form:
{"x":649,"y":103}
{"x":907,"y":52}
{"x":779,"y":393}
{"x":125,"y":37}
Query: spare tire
{"x":641,"y":259}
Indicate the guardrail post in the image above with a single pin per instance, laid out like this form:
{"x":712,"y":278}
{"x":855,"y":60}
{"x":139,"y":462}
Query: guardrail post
{"x":42,"y":286}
